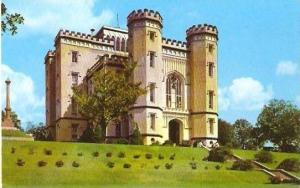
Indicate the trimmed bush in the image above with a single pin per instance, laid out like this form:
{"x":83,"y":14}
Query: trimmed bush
{"x":121,"y":155}
{"x":59,"y":163}
{"x":109,"y":154}
{"x":243,"y":165}
{"x":220,"y":154}
{"x":156,"y":167}
{"x":290,"y":164}
{"x":193,"y":165}
{"x":48,"y":152}
{"x":156,"y":143}
{"x":20,"y":162}
{"x":218,"y":167}
{"x":264,"y":157}
{"x":275,"y":180}
{"x":110,"y":164}
{"x":172,"y":157}
{"x":13,"y":150}
{"x":169,"y":166}
{"x":136,"y":156}
{"x":75,"y":164}
{"x":126,"y":165}
{"x":121,"y":141}
{"x":160,"y":157}
{"x":148,"y":156}
{"x":206,"y":168}
{"x":42,"y":163}
{"x":64,"y":153}
{"x":168,"y":143}
{"x":96,"y":154}
{"x":80,"y":154}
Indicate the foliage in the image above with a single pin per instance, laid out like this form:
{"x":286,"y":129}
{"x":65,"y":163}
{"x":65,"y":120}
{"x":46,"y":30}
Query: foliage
{"x":220,"y":154}
{"x":264,"y":157}
{"x":126,"y":165}
{"x":225,"y":131}
{"x":14,"y":133}
{"x":39,"y":132}
{"x":243,"y":165}
{"x":218,"y":167}
{"x":42,"y":163}
{"x":47,"y":151}
{"x":59,"y":163}
{"x":121,"y":154}
{"x":242,"y":133}
{"x":110,"y":164}
{"x":291,"y":164}
{"x":109,"y":154}
{"x":117,"y":141}
{"x":148,"y":156}
{"x":169,"y":165}
{"x":95,"y":154}
{"x":279,"y":121}
{"x":172,"y":157}
{"x":14,"y":118}
{"x":20,"y":162}
{"x":136,"y":137}
{"x":136,"y":156}
{"x":160,"y":157}
{"x":9,"y":22}
{"x":156,"y":167}
{"x":64,"y":153}
{"x":168,"y":143}
{"x":75,"y":164}
{"x":80,"y":154}
{"x":13,"y":150}
{"x":113,"y":95}
{"x":88,"y":136}
{"x":193,"y":165}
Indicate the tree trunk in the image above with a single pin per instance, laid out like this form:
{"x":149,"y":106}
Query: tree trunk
{"x":103,"y":126}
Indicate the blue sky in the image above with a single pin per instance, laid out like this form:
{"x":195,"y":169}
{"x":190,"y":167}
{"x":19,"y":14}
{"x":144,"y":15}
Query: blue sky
{"x":259,"y":46}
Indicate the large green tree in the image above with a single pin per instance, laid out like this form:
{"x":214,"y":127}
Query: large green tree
{"x":242,"y":133}
{"x":9,"y":21}
{"x":225,"y":131}
{"x":279,"y":122}
{"x":113,"y":94}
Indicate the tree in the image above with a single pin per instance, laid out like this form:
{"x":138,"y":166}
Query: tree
{"x":225,"y":131}
{"x":38,"y":131}
{"x":279,"y":122}
{"x":242,"y":133}
{"x":113,"y":94}
{"x":136,"y":137}
{"x":9,"y":22}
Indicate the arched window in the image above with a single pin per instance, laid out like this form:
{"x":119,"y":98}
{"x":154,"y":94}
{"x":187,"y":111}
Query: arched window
{"x":123,"y":45}
{"x":174,"y":91}
{"x":118,"y":44}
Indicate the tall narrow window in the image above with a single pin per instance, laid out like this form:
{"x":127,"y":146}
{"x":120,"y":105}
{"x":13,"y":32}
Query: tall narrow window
{"x":152,"y":92}
{"x":210,"y":48}
{"x":211,"y":125}
{"x":74,"y":131}
{"x":211,"y":69}
{"x":74,"y":56}
{"x":118,"y":44}
{"x":152,"y":119}
{"x":74,"y":106}
{"x":211,"y":99}
{"x":152,"y":59}
{"x":174,"y":91}
{"x":152,"y":35}
{"x":74,"y":78}
{"x":123,"y":45}
{"x":118,"y":129}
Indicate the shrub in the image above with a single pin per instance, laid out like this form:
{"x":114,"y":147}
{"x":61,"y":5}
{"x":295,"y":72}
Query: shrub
{"x":243,"y":165}
{"x":169,"y":165}
{"x":96,"y":154}
{"x":110,"y":164}
{"x":64,"y":153}
{"x":47,"y":152}
{"x":136,"y":137}
{"x":75,"y":164}
{"x":218,"y":167}
{"x":160,"y":157}
{"x":42,"y":163}
{"x":168,"y":143}
{"x":156,"y":143}
{"x":80,"y":154}
{"x":59,"y":163}
{"x":109,"y":154}
{"x":136,"y":156}
{"x":172,"y":157}
{"x":290,"y":164}
{"x":264,"y":157}
{"x":20,"y":162}
{"x":121,"y":155}
{"x":193,"y":165}
{"x":206,"y":168}
{"x":121,"y":141}
{"x":220,"y":154}
{"x":126,"y":165}
{"x":148,"y":156}
{"x":156,"y":167}
{"x":275,"y":180}
{"x":13,"y":150}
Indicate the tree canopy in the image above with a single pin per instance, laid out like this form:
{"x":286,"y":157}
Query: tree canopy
{"x":9,"y":21}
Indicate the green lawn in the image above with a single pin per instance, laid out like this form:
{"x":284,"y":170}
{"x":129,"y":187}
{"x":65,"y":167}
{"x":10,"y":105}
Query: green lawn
{"x":14,"y":133}
{"x":93,"y":171}
{"x":278,"y":157}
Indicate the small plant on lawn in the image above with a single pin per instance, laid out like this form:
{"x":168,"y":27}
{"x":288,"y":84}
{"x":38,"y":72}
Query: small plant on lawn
{"x":75,"y":164}
{"x":160,"y":157}
{"x":264,"y":157}
{"x":148,"y":156}
{"x":290,"y":164}
{"x":218,"y":167}
{"x":156,"y":167}
{"x":126,"y":165}
{"x":64,"y":153}
{"x":42,"y":163}
{"x":20,"y":162}
{"x":220,"y":154}
{"x":30,"y":152}
{"x":172,"y":157}
{"x":110,"y":164}
{"x":276,"y":179}
{"x":109,"y":154}
{"x":243,"y":165}
{"x":96,"y":154}
{"x":121,"y":154}
{"x":13,"y":150}
{"x":169,"y":165}
{"x":136,"y":156}
{"x":80,"y":154}
{"x":47,"y":151}
{"x":193,"y":165}
{"x":59,"y":163}
{"x":206,"y":168}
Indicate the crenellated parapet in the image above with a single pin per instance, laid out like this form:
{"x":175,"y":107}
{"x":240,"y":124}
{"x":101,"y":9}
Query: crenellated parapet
{"x":175,"y":44}
{"x":202,"y":29}
{"x":144,"y":15}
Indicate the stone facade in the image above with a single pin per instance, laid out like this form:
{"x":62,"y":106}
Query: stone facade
{"x":182,"y":104}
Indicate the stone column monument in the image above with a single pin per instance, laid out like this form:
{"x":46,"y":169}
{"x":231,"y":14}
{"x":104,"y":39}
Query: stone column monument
{"x":7,"y":121}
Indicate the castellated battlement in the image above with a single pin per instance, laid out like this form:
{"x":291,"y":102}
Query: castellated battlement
{"x":83,"y":37}
{"x":144,"y":14}
{"x":174,"y":44}
{"x":202,"y":29}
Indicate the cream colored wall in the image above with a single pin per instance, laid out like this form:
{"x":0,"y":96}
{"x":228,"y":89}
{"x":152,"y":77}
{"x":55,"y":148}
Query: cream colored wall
{"x":64,"y":129}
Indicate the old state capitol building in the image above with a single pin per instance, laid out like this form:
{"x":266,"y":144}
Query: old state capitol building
{"x":181,"y":105}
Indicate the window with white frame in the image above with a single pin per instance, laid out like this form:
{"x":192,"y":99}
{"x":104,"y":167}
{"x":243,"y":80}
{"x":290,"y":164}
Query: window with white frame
{"x":174,"y":91}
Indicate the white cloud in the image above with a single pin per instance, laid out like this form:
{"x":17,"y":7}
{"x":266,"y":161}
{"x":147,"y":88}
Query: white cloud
{"x":24,"y":101}
{"x":48,"y":16}
{"x":244,"y":93}
{"x":286,"y":68}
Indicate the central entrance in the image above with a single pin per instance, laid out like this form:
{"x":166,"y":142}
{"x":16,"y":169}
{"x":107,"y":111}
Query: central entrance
{"x":174,"y":131}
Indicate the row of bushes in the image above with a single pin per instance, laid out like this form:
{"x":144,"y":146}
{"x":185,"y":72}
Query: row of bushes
{"x":42,"y":163}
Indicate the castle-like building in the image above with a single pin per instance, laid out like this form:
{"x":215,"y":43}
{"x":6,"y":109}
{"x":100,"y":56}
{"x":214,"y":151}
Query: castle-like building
{"x":181,"y":105}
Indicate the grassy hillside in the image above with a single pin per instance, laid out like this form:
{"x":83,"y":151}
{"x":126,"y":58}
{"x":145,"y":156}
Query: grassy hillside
{"x":94,"y":172}
{"x":14,"y":133}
